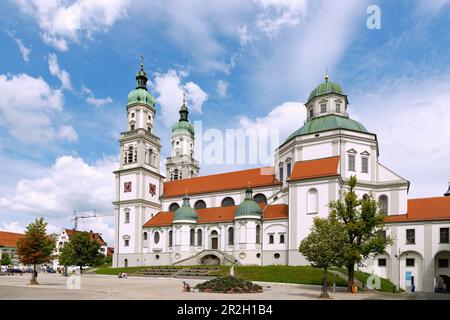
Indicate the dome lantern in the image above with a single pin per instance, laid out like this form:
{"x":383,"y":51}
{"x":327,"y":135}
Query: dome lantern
{"x":249,"y":208}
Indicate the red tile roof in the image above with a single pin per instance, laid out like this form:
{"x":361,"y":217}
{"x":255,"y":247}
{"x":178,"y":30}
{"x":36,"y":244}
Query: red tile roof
{"x":424,"y":209}
{"x":93,"y":236}
{"x":9,"y":239}
{"x":258,"y":177}
{"x":316,"y":168}
{"x":218,"y":214}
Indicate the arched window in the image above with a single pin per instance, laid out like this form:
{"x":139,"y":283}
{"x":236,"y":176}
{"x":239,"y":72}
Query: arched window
{"x":258,"y":234}
{"x":214,"y":240}
{"x":228,"y":201}
{"x":145,"y":235}
{"x":130,"y":154}
{"x":175,"y":174}
{"x":281,"y":238}
{"x":366,"y":197}
{"x":199,"y":237}
{"x":156,"y":237}
{"x":192,"y":237}
{"x":271,"y":239}
{"x":150,"y":157}
{"x":260,"y":198}
{"x":200,"y":204}
{"x":127,"y":216}
{"x":174,"y":206}
{"x":230,"y":236}
{"x":125,"y":263}
{"x":170,"y":238}
{"x":313,"y":201}
{"x":384,"y":204}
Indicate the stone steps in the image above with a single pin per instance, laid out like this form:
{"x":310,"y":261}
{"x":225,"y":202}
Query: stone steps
{"x":173,"y":272}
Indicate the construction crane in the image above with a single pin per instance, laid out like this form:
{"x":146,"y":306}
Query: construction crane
{"x":94,"y":215}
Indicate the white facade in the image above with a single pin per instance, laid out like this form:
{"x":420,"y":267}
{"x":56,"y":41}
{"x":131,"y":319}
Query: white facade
{"x":328,"y":133}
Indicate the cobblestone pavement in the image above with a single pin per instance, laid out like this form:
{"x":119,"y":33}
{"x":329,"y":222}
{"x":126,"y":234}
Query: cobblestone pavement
{"x":55,"y":286}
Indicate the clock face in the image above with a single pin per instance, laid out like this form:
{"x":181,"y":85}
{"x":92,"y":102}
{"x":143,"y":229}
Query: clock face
{"x":127,"y":186}
{"x":152,"y":189}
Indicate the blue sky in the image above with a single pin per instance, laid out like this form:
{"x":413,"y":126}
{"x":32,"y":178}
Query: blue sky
{"x":67,"y":66}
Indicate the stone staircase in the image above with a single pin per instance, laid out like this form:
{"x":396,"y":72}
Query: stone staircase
{"x":176,"y":272}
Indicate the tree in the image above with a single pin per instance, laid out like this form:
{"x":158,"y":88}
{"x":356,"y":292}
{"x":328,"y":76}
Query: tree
{"x":81,"y":250}
{"x":6,"y":260}
{"x":363,"y":222}
{"x":324,"y":247}
{"x":36,"y":247}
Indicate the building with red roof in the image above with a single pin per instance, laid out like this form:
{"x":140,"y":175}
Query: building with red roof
{"x":259,"y":216}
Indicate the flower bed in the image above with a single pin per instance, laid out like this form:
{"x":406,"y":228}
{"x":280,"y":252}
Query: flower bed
{"x":228,"y":285}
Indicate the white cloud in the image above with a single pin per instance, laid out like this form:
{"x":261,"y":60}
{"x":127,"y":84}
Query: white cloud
{"x":26,"y":51}
{"x":284,"y":118}
{"x":244,"y":35}
{"x":91,"y":99}
{"x":170,"y":88}
{"x":28,"y":108}
{"x":18,"y":227}
{"x":279,"y":14}
{"x":412,"y":129}
{"x":69,"y":184}
{"x":67,"y":133}
{"x":68,"y":21}
{"x":56,"y":71}
{"x":222,"y":88}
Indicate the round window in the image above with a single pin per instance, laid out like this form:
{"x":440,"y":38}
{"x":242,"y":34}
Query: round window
{"x":276,"y":256}
{"x":242,"y":255}
{"x":157,"y":256}
{"x":258,"y":255}
{"x":156,"y":237}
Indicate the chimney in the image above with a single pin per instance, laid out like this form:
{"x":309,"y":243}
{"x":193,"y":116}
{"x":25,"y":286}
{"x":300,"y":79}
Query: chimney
{"x":447,"y":194}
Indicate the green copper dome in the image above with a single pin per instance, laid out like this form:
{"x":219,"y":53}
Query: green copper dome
{"x":329,"y":122}
{"x":325,"y":88}
{"x":185,"y":212}
{"x":183,"y":125}
{"x":248,"y":207}
{"x":141,"y":95}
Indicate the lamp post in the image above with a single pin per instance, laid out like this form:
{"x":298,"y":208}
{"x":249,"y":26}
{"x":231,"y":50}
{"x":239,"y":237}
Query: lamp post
{"x":399,"y":268}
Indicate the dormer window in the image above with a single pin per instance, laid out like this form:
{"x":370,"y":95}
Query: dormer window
{"x":323,"y":108}
{"x":311,"y":112}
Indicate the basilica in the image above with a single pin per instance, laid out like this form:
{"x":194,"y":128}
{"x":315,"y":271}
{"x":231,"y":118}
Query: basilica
{"x":259,"y":216}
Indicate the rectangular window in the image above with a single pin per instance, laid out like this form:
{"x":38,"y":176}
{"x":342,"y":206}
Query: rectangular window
{"x":281,"y":174}
{"x":443,"y":235}
{"x":127,"y":243}
{"x":383,"y":233}
{"x":132,"y":127}
{"x":127,"y":217}
{"x":351,"y":162}
{"x":443,"y":263}
{"x":382,"y":262}
{"x":288,"y":169}
{"x":365,"y":165}
{"x":311,"y":112}
{"x":410,"y":262}
{"x":323,"y":108}
{"x":410,"y":236}
{"x":338,"y":107}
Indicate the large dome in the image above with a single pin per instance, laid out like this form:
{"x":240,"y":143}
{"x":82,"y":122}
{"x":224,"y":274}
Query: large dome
{"x":325,"y":88}
{"x":329,"y":122}
{"x":141,"y":95}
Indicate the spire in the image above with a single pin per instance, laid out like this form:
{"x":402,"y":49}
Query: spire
{"x":326,"y":74}
{"x":141,"y":76}
{"x":184,"y":111}
{"x":447,"y":194}
{"x":248,"y":192}
{"x":186,"y":201}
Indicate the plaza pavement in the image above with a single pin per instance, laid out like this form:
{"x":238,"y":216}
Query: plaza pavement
{"x":54,"y":286}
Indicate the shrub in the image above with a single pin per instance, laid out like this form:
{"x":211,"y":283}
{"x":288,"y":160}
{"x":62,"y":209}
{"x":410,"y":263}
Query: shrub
{"x":229,"y":284}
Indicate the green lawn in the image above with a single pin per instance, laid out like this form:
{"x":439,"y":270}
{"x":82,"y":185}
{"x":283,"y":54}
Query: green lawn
{"x":285,"y":274}
{"x":386,"y":285}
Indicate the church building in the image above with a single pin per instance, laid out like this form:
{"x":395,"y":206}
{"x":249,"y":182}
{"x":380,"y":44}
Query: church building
{"x":259,"y":216}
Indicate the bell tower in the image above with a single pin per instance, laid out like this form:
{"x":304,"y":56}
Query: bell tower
{"x":181,"y":163}
{"x":138,"y":179}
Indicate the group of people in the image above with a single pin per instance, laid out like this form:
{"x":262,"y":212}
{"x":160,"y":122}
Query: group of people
{"x":123,"y":275}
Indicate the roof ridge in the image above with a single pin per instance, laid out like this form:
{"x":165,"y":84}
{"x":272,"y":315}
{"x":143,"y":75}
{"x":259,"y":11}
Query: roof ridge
{"x":221,"y":173}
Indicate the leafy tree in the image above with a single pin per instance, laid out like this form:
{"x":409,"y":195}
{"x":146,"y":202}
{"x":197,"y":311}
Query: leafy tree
{"x":363,"y":222}
{"x":81,"y":250}
{"x":324,"y":247}
{"x":6,"y":260}
{"x":36,"y":247}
